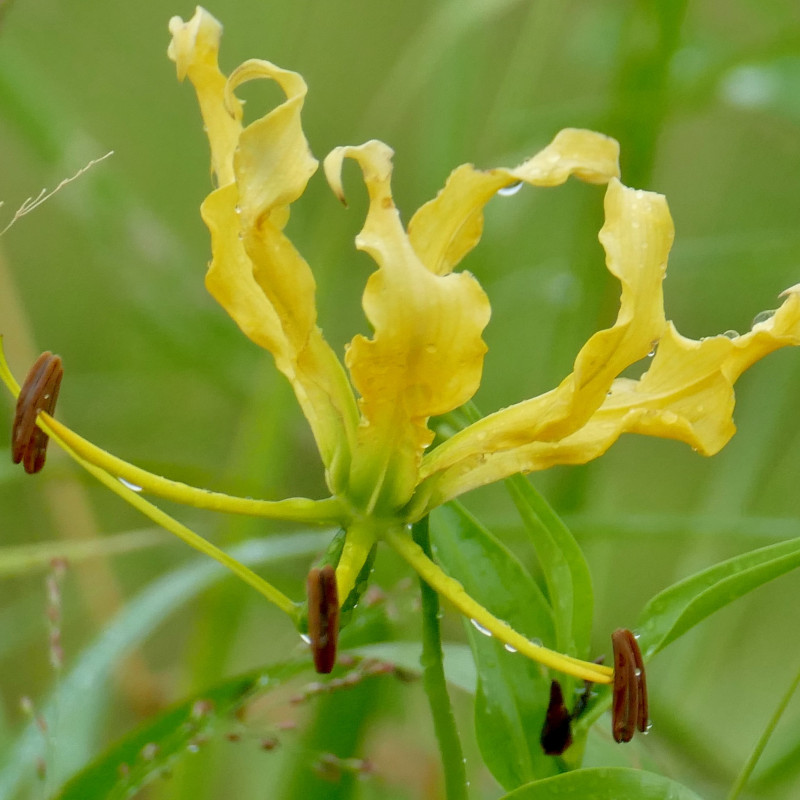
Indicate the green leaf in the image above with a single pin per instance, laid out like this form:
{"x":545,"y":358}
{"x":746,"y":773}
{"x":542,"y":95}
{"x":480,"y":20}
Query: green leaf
{"x":152,"y":748}
{"x":604,"y":783}
{"x":683,"y":605}
{"x":513,"y":691}
{"x":566,"y":572}
{"x":75,"y":705}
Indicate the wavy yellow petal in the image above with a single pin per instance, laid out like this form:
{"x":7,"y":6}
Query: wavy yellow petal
{"x":687,"y":395}
{"x":445,"y":229}
{"x":194,"y":49}
{"x":256,"y":274}
{"x":426,"y":354}
{"x":637,"y":236}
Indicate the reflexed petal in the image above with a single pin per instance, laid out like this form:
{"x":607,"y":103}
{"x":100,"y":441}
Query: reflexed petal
{"x":637,"y":236}
{"x":445,"y":229}
{"x":256,"y":274}
{"x":194,"y":49}
{"x":426,"y":354}
{"x":687,"y":394}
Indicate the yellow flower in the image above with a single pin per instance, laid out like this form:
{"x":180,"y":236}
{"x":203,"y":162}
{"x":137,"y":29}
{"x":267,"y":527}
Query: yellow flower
{"x":425,"y":355}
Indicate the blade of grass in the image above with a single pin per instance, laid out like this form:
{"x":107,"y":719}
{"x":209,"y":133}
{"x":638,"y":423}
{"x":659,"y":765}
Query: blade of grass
{"x":758,"y":749}
{"x":82,"y":694}
{"x":151,"y":749}
{"x":27,"y":558}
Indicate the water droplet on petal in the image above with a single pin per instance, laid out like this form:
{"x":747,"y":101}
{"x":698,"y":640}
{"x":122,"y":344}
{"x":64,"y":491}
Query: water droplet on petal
{"x":731,"y":334}
{"x":764,"y":316}
{"x":128,"y":485}
{"x":510,"y":648}
{"x":480,"y":628}
{"x":511,"y":189}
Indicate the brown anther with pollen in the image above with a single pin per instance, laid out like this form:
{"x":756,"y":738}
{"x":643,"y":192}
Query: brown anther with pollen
{"x":323,"y":617}
{"x":629,"y":709}
{"x":38,"y":393}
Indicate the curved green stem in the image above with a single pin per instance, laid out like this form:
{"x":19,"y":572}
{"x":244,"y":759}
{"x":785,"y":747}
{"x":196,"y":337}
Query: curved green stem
{"x":455,"y":593}
{"x":444,"y":723}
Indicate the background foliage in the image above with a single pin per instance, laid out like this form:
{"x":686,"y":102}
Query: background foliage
{"x":704,"y":100}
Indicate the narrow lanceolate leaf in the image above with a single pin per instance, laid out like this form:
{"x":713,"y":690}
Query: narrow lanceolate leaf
{"x":513,"y":691}
{"x":152,"y":749}
{"x":683,"y":605}
{"x":604,"y":783}
{"x":566,"y":572}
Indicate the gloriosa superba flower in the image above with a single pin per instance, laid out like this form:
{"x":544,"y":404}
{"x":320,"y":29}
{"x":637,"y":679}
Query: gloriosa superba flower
{"x":425,"y":356}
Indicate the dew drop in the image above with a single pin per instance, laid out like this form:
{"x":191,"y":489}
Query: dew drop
{"x":510,"y":648}
{"x":731,"y":334}
{"x":480,"y":628}
{"x":763,"y":316}
{"x":511,"y":189}
{"x":238,"y":209}
{"x":128,"y":485}
{"x":306,"y":638}
{"x":537,"y":642}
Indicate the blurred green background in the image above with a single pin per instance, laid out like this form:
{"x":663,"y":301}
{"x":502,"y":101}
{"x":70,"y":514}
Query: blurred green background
{"x":705,"y":100}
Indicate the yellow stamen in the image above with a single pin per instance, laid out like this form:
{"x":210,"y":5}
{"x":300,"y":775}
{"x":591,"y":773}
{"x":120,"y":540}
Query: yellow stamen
{"x":47,"y":424}
{"x":446,"y":586}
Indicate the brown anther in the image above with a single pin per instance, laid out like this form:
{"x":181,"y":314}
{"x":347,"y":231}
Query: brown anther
{"x":556,"y":732}
{"x":38,"y":393}
{"x":323,"y":617}
{"x":629,"y":709}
